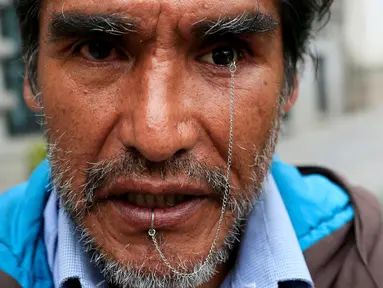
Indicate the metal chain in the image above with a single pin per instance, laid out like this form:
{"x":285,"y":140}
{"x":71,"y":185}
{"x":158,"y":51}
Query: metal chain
{"x":152,"y":232}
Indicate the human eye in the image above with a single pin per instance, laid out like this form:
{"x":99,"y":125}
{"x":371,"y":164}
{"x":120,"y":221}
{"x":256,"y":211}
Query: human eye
{"x":96,"y":50}
{"x":222,"y":55}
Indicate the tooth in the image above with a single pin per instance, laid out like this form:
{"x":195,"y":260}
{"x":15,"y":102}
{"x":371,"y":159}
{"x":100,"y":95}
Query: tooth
{"x":160,"y":201}
{"x":180,"y":198}
{"x":150,"y":200}
{"x":140,"y":200}
{"x":170,"y":200}
{"x":132,"y":198}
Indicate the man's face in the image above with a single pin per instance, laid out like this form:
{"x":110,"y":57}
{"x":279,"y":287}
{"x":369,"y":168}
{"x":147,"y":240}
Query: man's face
{"x":136,"y":98}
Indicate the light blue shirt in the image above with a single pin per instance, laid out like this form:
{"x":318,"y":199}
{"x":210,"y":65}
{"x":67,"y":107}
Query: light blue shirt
{"x":269,"y":250}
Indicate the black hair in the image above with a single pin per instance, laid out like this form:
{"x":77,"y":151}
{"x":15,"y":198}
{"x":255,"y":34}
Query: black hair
{"x":297,"y":19}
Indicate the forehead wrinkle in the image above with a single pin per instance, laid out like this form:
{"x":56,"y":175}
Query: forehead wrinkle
{"x":149,"y":22}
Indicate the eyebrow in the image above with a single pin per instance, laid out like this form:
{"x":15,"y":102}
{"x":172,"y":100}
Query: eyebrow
{"x":73,"y":24}
{"x":245,"y":23}
{"x":80,"y":25}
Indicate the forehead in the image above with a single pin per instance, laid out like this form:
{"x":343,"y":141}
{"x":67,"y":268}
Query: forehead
{"x":181,"y":13}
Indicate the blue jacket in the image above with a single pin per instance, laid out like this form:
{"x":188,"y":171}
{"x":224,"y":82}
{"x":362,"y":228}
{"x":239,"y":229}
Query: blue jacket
{"x":317,"y":207}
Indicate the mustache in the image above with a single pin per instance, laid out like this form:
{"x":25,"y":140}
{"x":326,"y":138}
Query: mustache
{"x":131,"y":164}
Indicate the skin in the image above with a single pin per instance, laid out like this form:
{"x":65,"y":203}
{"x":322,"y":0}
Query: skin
{"x":162,"y":99}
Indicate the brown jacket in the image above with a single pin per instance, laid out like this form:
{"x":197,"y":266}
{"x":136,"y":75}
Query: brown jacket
{"x":352,"y":256}
{"x":349,"y":258}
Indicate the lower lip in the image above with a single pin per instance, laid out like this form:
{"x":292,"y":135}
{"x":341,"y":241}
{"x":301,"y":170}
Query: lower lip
{"x":141,"y":218}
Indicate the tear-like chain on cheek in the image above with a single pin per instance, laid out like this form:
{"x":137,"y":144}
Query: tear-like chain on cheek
{"x":152,"y":231}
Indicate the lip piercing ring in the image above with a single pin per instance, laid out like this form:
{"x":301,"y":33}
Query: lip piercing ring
{"x":152,"y":231}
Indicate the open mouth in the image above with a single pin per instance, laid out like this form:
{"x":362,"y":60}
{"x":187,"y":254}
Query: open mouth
{"x":174,"y":203}
{"x":151,"y":201}
{"x":170,"y":209}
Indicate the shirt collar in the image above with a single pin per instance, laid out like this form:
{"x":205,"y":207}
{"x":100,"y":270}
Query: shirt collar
{"x":269,"y":250}
{"x":72,"y":260}
{"x":66,"y":256}
{"x":50,"y":233}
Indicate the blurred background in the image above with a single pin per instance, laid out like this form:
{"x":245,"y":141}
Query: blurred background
{"x":337,"y":121}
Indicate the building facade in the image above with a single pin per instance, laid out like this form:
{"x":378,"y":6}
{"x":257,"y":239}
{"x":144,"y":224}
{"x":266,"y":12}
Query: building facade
{"x":8,"y":50}
{"x":15,"y":118}
{"x":18,"y":127}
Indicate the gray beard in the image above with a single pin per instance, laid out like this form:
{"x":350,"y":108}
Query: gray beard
{"x":129,"y":275}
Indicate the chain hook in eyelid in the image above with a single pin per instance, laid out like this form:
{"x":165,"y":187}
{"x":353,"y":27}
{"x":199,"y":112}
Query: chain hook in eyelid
{"x":232,"y":67}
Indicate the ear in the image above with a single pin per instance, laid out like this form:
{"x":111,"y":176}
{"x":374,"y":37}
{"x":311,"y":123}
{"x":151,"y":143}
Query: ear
{"x":292,"y":98}
{"x":30,"y":99}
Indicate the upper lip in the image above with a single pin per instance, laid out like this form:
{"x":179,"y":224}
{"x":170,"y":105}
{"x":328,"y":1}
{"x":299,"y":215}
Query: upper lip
{"x":155,"y":187}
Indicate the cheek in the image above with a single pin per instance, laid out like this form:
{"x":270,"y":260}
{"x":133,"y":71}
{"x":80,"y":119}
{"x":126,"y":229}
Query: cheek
{"x":78,"y":118}
{"x":254,"y":129}
{"x":256,"y":109}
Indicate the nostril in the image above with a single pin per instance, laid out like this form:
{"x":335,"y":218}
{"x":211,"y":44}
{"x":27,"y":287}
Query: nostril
{"x":180,"y":153}
{"x":134,"y":152}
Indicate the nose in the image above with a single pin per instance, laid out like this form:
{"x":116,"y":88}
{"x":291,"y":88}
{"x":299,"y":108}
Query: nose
{"x":160,"y":125}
